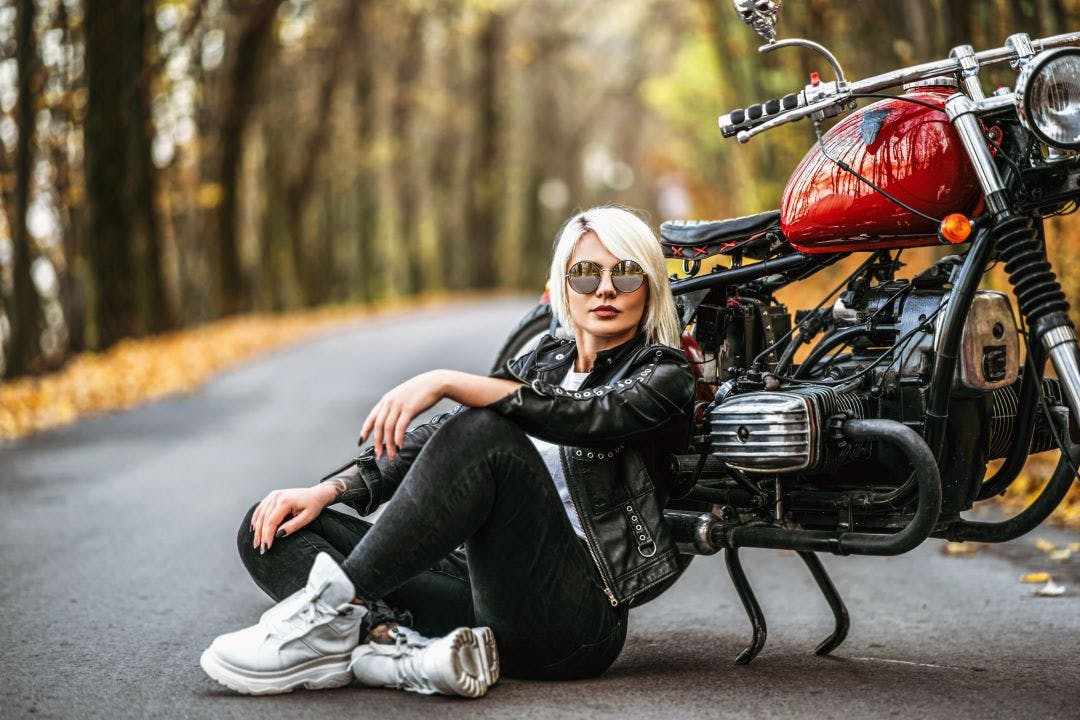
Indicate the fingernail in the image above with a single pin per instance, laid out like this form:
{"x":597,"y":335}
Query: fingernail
{"x":262,"y":550}
{"x":280,"y":533}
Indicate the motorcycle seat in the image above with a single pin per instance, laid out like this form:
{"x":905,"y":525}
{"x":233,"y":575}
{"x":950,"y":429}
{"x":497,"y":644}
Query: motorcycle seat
{"x":755,"y":236}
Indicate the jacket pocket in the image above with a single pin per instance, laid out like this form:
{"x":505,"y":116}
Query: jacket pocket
{"x":603,"y":486}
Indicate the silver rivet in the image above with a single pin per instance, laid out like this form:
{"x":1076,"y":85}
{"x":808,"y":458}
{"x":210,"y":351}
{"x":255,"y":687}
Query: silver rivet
{"x":560,"y":356}
{"x":629,"y":508}
{"x":638,"y":527}
{"x":590,"y":455}
{"x":641,"y":537}
{"x":633,"y":518}
{"x":579,"y":453}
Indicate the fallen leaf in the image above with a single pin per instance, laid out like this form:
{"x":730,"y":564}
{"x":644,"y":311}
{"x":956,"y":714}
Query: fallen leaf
{"x":1075,"y":547}
{"x":1045,"y":545}
{"x":1050,"y":589}
{"x":1063,"y":554}
{"x":960,"y":548}
{"x":1035,"y":577}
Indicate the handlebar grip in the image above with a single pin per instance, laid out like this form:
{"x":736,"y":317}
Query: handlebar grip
{"x":743,"y":118}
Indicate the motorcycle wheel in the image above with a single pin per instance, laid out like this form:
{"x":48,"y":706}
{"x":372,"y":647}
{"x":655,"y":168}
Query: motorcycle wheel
{"x":530,"y":329}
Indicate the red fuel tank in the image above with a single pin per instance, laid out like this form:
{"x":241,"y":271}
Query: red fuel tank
{"x":910,"y":151}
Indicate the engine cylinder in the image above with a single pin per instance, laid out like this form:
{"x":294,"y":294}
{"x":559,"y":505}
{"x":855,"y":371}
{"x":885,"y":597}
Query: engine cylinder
{"x":784,"y":431}
{"x":1005,"y":405}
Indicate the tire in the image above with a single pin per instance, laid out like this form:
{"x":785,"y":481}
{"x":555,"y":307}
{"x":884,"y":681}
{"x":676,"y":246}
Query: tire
{"x":530,"y":329}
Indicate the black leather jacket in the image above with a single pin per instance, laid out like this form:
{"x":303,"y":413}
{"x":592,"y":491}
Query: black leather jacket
{"x":617,"y":432}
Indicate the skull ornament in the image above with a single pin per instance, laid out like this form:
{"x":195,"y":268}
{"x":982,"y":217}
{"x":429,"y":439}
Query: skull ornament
{"x":760,"y":15}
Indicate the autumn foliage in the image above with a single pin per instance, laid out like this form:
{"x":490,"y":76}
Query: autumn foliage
{"x":134,"y":372}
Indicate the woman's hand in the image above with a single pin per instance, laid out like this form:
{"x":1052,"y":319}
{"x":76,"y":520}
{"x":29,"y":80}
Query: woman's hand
{"x":301,"y":504}
{"x":390,"y":418}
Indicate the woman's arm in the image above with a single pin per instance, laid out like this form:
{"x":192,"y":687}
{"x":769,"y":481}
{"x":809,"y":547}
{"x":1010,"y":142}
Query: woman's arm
{"x":659,"y":391}
{"x":391,"y":416}
{"x":286,"y":511}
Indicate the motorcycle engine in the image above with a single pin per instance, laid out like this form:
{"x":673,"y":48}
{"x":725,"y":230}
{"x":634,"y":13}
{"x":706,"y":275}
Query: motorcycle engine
{"x":791,"y":424}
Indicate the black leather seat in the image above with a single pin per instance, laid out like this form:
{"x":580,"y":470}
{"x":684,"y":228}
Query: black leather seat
{"x":701,"y":232}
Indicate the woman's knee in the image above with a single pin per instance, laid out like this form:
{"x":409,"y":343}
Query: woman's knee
{"x":245,"y":537}
{"x":478,"y":427}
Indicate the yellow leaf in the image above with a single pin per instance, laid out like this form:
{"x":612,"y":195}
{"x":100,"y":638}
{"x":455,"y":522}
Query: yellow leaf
{"x":1036,"y":577}
{"x":1063,"y":554}
{"x":1044,"y":545}
{"x":960,"y":548}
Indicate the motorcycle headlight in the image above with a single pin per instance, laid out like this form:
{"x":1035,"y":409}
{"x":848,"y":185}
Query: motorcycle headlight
{"x":1048,"y":97}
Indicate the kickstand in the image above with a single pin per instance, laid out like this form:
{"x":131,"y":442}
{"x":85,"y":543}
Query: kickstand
{"x":836,"y":603}
{"x":750,"y":604}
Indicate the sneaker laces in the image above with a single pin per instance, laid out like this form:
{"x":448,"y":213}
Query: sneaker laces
{"x":407,"y":638}
{"x":311,"y":609}
{"x":408,"y":664}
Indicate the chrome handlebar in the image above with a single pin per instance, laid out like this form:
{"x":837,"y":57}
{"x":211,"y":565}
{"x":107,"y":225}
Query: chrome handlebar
{"x":828,"y":99}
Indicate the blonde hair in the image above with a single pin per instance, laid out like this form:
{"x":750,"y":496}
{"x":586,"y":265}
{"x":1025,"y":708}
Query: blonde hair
{"x":628,"y":237}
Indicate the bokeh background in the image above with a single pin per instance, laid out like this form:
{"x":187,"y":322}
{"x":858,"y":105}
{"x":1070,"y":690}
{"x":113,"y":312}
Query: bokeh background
{"x":170,"y":162}
{"x":166,"y":163}
{"x":188,"y":183}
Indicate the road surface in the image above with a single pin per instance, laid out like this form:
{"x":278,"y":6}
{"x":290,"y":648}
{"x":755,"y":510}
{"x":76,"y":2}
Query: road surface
{"x":118,"y":566}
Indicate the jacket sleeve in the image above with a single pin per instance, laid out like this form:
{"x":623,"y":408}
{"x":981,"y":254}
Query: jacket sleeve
{"x":658,"y":391}
{"x":367,"y":482}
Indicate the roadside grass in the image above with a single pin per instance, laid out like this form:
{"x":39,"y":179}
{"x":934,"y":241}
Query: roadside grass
{"x":139,"y":371}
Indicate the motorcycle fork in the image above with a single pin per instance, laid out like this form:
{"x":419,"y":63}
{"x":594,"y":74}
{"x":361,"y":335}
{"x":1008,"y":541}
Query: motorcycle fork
{"x":1041,"y":299}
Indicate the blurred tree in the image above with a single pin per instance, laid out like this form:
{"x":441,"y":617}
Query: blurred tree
{"x":25,"y":310}
{"x":123,"y":249}
{"x":255,"y":47}
{"x":215,"y":156}
{"x":310,"y":255}
{"x":482,"y":194}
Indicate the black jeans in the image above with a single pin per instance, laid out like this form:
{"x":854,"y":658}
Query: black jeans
{"x":523,"y":572}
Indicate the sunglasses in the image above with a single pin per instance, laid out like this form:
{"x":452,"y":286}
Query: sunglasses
{"x":584,"y":276}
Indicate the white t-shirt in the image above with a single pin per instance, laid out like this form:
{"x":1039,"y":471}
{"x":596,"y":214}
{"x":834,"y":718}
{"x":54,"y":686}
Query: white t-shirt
{"x":550,"y":454}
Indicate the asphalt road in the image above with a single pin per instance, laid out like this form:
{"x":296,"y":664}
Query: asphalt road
{"x":118,"y":567}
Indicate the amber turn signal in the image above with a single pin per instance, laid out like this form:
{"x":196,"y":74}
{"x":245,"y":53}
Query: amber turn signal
{"x":955,"y":228}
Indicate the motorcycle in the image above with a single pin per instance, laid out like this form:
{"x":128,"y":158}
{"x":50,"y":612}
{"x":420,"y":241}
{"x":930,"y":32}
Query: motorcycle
{"x":879,"y":437}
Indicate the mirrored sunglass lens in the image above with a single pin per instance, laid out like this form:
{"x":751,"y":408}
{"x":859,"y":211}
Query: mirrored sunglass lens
{"x":627,"y":276}
{"x":584,"y":277}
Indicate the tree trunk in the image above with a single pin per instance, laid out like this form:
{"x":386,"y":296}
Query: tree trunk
{"x":253,"y":49}
{"x":74,"y":276}
{"x":123,"y":252}
{"x":311,"y":278}
{"x":24,"y":311}
{"x":155,"y":310}
{"x":482,"y":217}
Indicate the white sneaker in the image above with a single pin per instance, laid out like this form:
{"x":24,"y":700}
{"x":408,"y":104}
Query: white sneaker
{"x":306,"y":640}
{"x":465,"y":662}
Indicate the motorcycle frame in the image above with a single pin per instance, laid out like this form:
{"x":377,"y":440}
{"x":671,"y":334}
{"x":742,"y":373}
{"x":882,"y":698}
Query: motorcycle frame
{"x":1057,"y":341}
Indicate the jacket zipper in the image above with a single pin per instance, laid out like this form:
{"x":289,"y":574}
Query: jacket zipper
{"x":588,"y":535}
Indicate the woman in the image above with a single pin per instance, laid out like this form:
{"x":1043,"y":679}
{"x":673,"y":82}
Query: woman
{"x":552,"y":473}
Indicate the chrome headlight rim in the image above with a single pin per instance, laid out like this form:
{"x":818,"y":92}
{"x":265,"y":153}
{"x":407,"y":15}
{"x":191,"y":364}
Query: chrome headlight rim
{"x":1031,"y":70}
